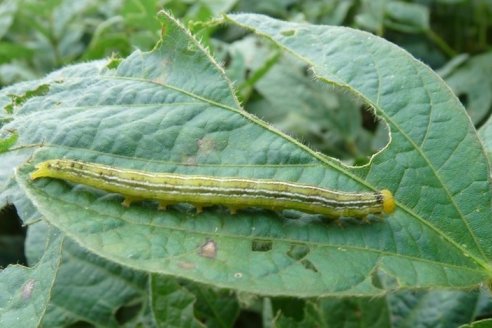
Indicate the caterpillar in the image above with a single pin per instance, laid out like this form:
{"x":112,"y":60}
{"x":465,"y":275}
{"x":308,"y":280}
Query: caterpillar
{"x":202,"y":191}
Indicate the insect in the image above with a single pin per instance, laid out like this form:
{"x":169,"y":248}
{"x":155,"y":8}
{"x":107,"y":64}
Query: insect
{"x":202,"y":191}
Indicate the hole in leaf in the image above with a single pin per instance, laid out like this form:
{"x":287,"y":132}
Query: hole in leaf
{"x":463,"y":97}
{"x":7,"y":140}
{"x":19,"y":100}
{"x":290,"y":307}
{"x":12,"y":237}
{"x":298,"y":252}
{"x":246,"y":318}
{"x":369,"y":122}
{"x":258,"y":245}
{"x":383,"y":280}
{"x":309,"y":265}
{"x":329,"y":120}
{"x":113,"y":63}
{"x":127,"y":313}
{"x":307,"y":71}
{"x":247,"y":73}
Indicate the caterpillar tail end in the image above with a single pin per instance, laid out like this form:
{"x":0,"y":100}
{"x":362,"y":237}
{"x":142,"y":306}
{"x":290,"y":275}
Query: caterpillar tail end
{"x":389,"y":204}
{"x":42,"y":170}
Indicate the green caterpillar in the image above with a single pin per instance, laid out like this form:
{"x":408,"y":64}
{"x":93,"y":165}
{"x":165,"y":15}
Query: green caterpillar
{"x":202,"y":191}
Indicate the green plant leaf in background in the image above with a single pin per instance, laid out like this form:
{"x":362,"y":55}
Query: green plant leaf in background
{"x":173,"y":110}
{"x":172,"y":304}
{"x":436,"y":308}
{"x":190,"y":305}
{"x":8,"y":9}
{"x":84,"y":282}
{"x":26,"y":291}
{"x":472,"y":82}
{"x":486,"y":323}
{"x":336,"y":312}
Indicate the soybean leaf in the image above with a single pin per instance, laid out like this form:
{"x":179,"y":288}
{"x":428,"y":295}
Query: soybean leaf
{"x":85,"y":281}
{"x":26,"y":291}
{"x":172,"y":109}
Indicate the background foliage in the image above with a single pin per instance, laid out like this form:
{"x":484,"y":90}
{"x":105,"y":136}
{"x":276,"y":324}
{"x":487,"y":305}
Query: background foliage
{"x":453,"y":37}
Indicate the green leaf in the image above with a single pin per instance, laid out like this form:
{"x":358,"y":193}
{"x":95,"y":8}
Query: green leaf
{"x":485,"y":133}
{"x":472,"y":82}
{"x":398,"y":15}
{"x":18,"y":100}
{"x":173,"y":110}
{"x":8,"y":9}
{"x":15,"y":72}
{"x":26,"y":291}
{"x":486,"y":323}
{"x":176,"y":304}
{"x":371,"y":16}
{"x":407,"y":17}
{"x":85,"y":282}
{"x":327,"y":12}
{"x":434,"y":308}
{"x":335,"y":312}
{"x":218,"y":7}
{"x":215,"y":307}
{"x":140,"y":18}
{"x":7,"y":142}
{"x":172,"y":304}
{"x":10,"y":51}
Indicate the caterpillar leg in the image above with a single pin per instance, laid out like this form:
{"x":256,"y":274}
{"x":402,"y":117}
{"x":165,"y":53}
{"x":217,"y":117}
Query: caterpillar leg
{"x":127,"y":201}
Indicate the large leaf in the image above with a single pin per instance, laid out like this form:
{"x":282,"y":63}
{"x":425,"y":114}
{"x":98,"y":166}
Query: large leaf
{"x":435,"y":308}
{"x":26,"y":291}
{"x":173,"y":110}
{"x":85,"y":282}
